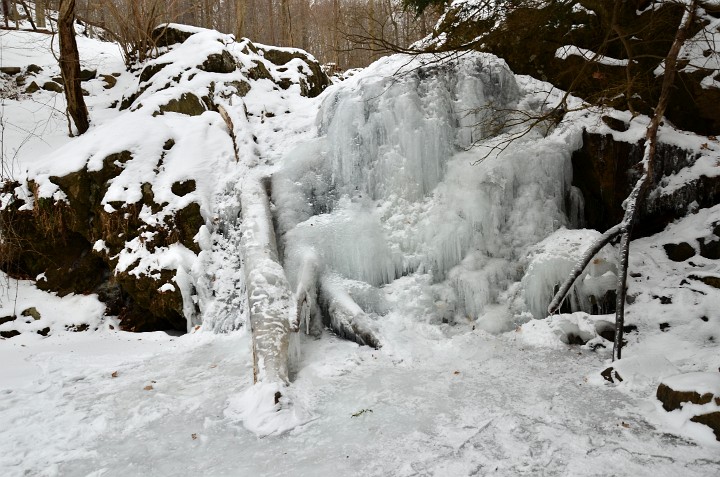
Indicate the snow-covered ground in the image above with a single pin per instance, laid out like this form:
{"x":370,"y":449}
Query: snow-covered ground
{"x":466,"y":383}
{"x":442,"y":403}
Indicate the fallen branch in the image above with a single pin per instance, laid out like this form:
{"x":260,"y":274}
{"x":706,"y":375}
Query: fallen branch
{"x":344,"y":316}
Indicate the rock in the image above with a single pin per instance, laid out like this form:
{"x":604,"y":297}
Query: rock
{"x":63,"y":234}
{"x":7,"y":319}
{"x":615,"y":123}
{"x":167,"y":35}
{"x":33,"y":69}
{"x":44,"y":332}
{"x":183,"y":188}
{"x":241,"y":88}
{"x":709,"y":280}
{"x":10,"y":70}
{"x":59,"y":80}
{"x":605,"y":171}
{"x":151,"y":70}
{"x":52,"y":86}
{"x":697,"y":388}
{"x":9,"y":334}
{"x":31,"y":312}
{"x":87,"y":75}
{"x":311,"y":85}
{"x":32,"y":88}
{"x":110,"y":81}
{"x":531,"y":48}
{"x":219,"y":63}
{"x":610,"y":375}
{"x":258,"y":71}
{"x":679,"y":252}
{"x":187,"y":103}
{"x":710,"y":249}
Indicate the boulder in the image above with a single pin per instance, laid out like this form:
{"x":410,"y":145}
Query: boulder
{"x":219,"y":63}
{"x":679,"y":252}
{"x":10,"y":70}
{"x":87,"y":75}
{"x":701,"y":389}
{"x":168,"y":34}
{"x":187,"y":103}
{"x":52,"y":86}
{"x":32,"y":88}
{"x":110,"y":81}
{"x":33,"y":69}
{"x":32,"y":311}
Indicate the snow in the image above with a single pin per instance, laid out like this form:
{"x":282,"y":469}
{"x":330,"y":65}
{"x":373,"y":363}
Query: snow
{"x":701,"y":383}
{"x":374,"y":192}
{"x":567,"y":51}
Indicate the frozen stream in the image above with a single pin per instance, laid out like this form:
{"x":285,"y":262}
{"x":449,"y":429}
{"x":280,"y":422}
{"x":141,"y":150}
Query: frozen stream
{"x":468,"y":404}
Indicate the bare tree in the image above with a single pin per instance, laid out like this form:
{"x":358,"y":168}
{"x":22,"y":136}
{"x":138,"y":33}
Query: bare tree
{"x":70,"y":66}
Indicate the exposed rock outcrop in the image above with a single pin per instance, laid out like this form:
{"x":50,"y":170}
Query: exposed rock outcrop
{"x":605,"y":171}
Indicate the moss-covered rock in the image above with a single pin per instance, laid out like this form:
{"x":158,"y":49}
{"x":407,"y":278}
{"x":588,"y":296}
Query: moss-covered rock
{"x":33,"y":69}
{"x":32,"y":88}
{"x":10,"y":70}
{"x":52,"y":86}
{"x":187,"y":103}
{"x":168,"y":35}
{"x":151,"y":70}
{"x":311,"y":85}
{"x":219,"y":63}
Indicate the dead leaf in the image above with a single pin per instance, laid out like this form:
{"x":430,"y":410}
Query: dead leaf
{"x":148,"y":388}
{"x":456,"y":372}
{"x":704,"y":146}
{"x":114,"y":374}
{"x":194,"y":436}
{"x":626,"y":425}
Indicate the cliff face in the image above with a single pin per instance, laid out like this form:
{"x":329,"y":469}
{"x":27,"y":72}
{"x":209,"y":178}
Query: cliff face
{"x":605,"y":170}
{"x":607,"y":57}
{"x":123,"y":210}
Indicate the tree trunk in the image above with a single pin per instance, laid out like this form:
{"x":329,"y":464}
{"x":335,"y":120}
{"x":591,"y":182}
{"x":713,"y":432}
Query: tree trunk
{"x":271,"y":23}
{"x":40,"y":13}
{"x":70,"y":66}
{"x":344,"y":316}
{"x":239,"y":19}
{"x":269,"y":296}
{"x":6,"y":12}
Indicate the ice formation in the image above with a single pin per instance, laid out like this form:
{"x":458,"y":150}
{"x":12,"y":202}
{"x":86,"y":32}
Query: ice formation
{"x":403,"y":179}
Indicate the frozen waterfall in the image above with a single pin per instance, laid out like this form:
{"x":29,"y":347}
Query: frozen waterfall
{"x":391,"y":186}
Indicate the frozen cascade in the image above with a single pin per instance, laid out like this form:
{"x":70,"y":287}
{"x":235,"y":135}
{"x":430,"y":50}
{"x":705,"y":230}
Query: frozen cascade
{"x":388,"y":188}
